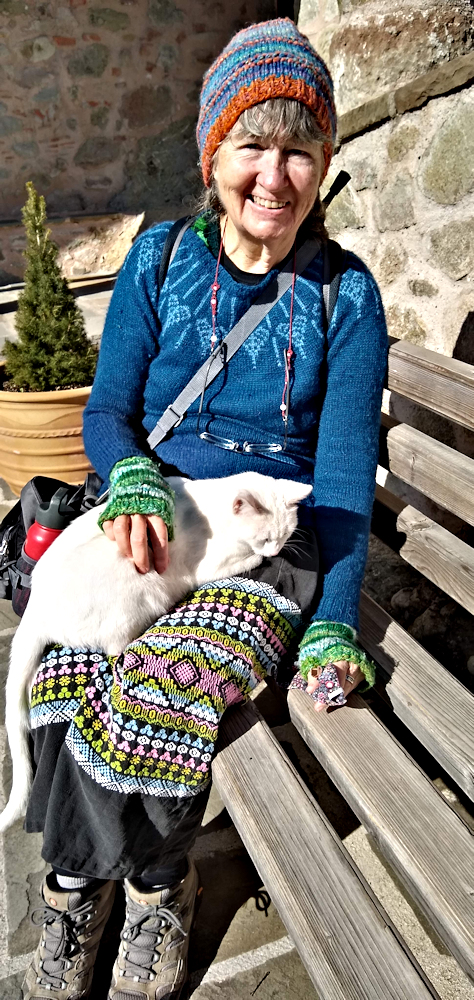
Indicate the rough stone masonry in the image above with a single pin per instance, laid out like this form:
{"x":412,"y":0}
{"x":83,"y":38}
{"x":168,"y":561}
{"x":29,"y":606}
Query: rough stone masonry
{"x":98,"y":102}
{"x":403,"y":73}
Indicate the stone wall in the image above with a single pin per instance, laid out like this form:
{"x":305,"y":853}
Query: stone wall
{"x":403,"y":75}
{"x":98,"y":102}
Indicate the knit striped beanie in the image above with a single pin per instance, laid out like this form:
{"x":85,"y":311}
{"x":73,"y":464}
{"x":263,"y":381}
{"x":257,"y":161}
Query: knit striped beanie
{"x":269,"y":59}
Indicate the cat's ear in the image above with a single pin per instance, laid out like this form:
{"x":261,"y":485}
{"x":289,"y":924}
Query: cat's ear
{"x":293,"y":492}
{"x":246,"y":503}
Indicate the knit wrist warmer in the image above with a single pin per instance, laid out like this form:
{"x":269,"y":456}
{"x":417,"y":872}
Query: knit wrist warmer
{"x":137,"y":487}
{"x":327,"y":642}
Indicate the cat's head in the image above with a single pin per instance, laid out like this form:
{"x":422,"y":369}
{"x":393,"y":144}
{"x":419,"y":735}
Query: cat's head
{"x":267,"y":511}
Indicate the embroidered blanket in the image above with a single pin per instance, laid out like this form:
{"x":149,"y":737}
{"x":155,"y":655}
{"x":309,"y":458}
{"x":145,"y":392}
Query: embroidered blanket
{"x":147,"y":721}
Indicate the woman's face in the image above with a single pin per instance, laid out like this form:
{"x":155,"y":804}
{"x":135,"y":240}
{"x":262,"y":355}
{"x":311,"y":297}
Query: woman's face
{"x":267,"y":189}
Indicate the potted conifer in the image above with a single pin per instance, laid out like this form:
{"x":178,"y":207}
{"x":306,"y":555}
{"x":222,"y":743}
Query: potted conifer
{"x":49,"y":369}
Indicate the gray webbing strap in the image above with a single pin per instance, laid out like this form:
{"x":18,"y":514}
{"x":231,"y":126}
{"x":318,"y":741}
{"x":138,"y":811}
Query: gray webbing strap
{"x":178,"y":239}
{"x":331,"y":284}
{"x":231,"y":343}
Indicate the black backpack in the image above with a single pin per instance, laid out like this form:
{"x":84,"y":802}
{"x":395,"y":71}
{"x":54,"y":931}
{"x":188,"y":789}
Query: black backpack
{"x":15,"y":565}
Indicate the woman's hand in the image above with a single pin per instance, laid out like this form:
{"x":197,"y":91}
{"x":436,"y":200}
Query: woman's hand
{"x":135,"y":535}
{"x":344,"y":669}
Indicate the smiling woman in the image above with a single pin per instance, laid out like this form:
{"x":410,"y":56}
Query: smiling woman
{"x":299,"y":400}
{"x":272,"y":157}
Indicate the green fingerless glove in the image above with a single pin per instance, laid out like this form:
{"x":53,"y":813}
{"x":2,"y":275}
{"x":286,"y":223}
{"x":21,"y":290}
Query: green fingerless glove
{"x":327,"y":642}
{"x":137,"y":487}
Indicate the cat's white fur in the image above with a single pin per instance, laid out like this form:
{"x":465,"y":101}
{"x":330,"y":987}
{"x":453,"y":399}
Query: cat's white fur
{"x":84,"y":593}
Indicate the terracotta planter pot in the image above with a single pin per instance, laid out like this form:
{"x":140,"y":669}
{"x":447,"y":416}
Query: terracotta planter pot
{"x":41,"y":434}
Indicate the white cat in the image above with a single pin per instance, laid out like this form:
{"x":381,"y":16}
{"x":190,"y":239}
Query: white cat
{"x":84,"y":593}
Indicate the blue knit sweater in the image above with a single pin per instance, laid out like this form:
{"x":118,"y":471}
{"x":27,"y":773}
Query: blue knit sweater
{"x":150,"y":349}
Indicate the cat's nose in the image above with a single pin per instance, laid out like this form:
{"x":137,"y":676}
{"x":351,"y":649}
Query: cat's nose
{"x":272,"y":550}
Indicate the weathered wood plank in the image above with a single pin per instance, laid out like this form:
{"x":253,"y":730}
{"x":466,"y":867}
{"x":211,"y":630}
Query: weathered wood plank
{"x":400,"y":807}
{"x":431,"y":467}
{"x":437,"y":708}
{"x":384,"y":493}
{"x":345,"y":939}
{"x":440,"y":556}
{"x":441,"y":384}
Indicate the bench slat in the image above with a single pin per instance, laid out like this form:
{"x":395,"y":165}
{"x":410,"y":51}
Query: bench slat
{"x":431,"y":467}
{"x":444,"y":559}
{"x":345,"y":939}
{"x":441,"y":384}
{"x":437,"y":708}
{"x":401,"y":808}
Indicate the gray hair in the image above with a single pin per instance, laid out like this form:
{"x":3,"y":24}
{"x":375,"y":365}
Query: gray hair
{"x":280,"y":117}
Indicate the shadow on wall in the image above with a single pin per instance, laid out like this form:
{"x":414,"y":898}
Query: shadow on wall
{"x":464,"y":347}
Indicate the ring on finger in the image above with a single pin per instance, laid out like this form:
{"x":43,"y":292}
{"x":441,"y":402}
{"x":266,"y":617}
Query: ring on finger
{"x":349,"y":678}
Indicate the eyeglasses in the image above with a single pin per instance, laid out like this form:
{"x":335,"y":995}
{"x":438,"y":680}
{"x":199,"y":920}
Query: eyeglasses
{"x":229,"y":445}
{"x":247,"y":447}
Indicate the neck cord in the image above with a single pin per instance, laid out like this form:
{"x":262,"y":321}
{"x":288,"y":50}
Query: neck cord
{"x":288,"y":352}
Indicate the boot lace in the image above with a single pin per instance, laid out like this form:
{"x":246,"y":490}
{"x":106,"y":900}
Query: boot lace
{"x":61,"y":941}
{"x":144,"y":933}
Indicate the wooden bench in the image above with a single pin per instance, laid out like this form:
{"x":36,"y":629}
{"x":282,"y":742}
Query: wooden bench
{"x":347,"y":942}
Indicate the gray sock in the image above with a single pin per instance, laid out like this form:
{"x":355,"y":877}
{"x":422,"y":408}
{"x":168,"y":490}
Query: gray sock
{"x":77,"y":882}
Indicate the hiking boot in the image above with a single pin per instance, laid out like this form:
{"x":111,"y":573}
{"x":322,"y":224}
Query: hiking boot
{"x":72,"y":921}
{"x":152,"y":959}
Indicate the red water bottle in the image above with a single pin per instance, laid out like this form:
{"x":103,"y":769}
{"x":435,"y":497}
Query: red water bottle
{"x":50,"y":520}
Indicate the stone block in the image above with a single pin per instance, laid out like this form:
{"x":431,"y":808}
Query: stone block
{"x":107,"y":17}
{"x":146,"y":106}
{"x":100,"y":117}
{"x":395,"y":204}
{"x":90,"y":61}
{"x":405,"y":324}
{"x":363,"y":173}
{"x":420,"y":286}
{"x":38,"y":49}
{"x":378,"y":48}
{"x":95,"y":151}
{"x":392,"y":262}
{"x":163,"y":12}
{"x":376,"y":109}
{"x":439,"y":80}
{"x":401,"y":141}
{"x":9,"y":124}
{"x":452,"y":248}
{"x":447,"y":174}
{"x":13,"y":7}
{"x":344,"y":212}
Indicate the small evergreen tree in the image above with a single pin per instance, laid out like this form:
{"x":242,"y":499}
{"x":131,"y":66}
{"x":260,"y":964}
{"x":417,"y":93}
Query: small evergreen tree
{"x":52,"y":350}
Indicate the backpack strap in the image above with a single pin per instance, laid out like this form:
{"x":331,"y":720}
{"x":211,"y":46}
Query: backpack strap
{"x":171,"y":245}
{"x":232,"y":342}
{"x":333,"y":265}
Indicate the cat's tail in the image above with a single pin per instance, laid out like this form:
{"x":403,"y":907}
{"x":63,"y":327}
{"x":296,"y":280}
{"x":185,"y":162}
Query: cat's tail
{"x":27,"y":649}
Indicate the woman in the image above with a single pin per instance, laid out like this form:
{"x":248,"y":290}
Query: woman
{"x":266,"y":132}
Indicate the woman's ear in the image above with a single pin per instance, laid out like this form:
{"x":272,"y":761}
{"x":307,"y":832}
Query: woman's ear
{"x":247,"y":503}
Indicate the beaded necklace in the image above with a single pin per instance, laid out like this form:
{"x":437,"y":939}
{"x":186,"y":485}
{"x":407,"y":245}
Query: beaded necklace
{"x":288,"y":352}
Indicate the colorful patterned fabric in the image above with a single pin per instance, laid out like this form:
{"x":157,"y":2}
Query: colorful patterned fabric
{"x":328,"y":642}
{"x":147,"y":721}
{"x":270,"y":59}
{"x":137,"y":487}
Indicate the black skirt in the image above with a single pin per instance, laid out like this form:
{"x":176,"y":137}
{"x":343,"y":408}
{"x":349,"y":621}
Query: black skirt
{"x":104,"y":833}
